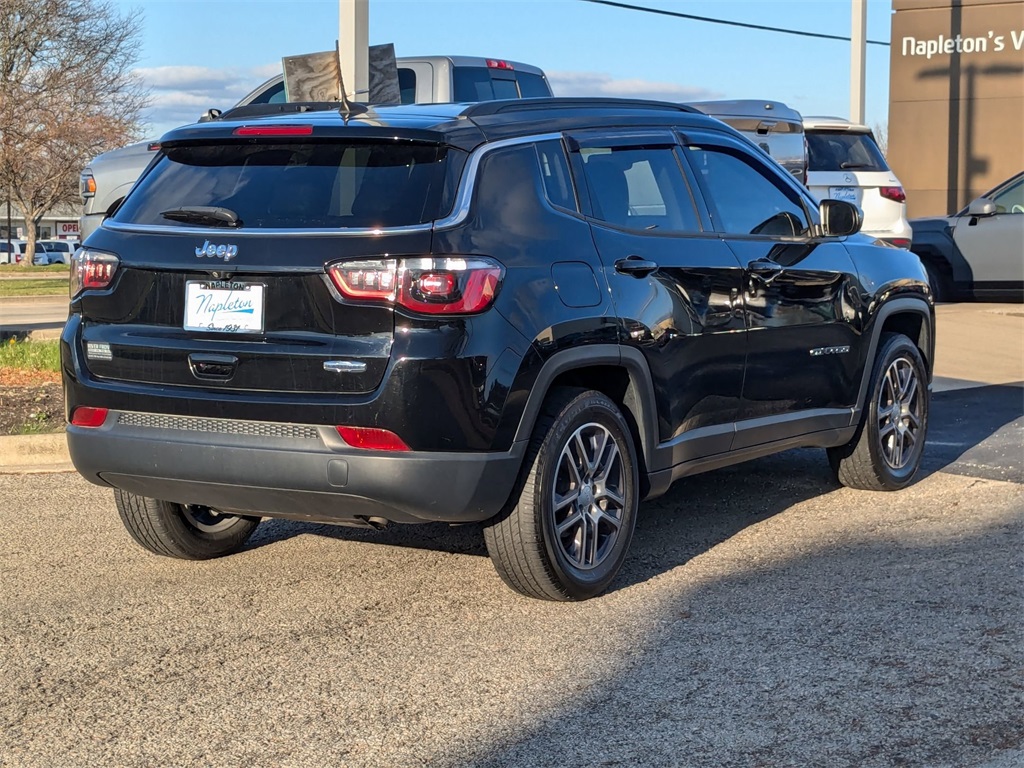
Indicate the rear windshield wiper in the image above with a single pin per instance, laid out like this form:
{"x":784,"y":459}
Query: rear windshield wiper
{"x":208,"y":215}
{"x":854,"y":165}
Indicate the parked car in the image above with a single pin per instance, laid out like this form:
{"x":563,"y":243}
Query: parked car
{"x":12,"y":251}
{"x":977,"y":252}
{"x":530,"y":315}
{"x":58,"y":251}
{"x":845,"y":163}
{"x":771,"y":125}
{"x":422,"y":79}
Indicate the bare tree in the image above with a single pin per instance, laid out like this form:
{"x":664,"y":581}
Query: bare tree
{"x":881,"y":131}
{"x":67,"y":93}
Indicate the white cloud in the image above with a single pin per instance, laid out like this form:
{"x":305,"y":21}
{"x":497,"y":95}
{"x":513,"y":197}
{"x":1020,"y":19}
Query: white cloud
{"x":179,"y":95}
{"x":601,"y":84}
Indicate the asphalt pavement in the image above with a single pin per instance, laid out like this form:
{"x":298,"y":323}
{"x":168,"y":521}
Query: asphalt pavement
{"x":766,"y":616}
{"x":39,"y":315}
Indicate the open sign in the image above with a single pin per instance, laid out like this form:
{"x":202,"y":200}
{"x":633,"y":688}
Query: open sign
{"x":67,"y":228}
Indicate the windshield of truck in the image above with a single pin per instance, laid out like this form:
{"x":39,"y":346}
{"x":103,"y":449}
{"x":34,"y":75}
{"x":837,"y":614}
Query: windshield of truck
{"x":297,"y":185}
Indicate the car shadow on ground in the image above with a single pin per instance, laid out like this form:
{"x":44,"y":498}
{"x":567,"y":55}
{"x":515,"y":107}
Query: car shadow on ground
{"x":975,"y":432}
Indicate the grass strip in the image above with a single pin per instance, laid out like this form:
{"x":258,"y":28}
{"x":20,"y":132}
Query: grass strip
{"x":31,"y":355}
{"x":41,"y":287}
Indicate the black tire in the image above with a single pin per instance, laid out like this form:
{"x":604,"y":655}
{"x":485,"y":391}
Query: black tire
{"x":186,"y":532}
{"x":938,"y":282}
{"x":886,"y":450}
{"x":580,"y":436}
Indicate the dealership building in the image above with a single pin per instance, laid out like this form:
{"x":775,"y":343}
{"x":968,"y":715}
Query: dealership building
{"x":956,"y":99}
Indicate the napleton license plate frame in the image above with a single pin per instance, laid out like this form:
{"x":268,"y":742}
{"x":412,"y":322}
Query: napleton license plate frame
{"x":844,"y":192}
{"x":224,"y":306}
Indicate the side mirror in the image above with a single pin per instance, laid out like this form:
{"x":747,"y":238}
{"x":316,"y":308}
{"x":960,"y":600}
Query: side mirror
{"x":981,"y":206}
{"x":208,"y":115}
{"x":840,"y":218}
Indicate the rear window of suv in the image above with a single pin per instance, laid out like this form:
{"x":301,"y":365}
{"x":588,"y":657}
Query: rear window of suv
{"x":301,"y":185}
{"x":843,"y":151}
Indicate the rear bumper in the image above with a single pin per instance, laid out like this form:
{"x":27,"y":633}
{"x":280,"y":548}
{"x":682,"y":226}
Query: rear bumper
{"x":293,"y":471}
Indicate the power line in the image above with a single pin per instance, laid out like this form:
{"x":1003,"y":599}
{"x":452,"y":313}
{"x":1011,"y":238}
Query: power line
{"x":726,"y":22}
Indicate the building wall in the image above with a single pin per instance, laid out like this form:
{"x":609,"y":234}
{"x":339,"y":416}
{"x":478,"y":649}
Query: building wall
{"x":956,"y":99}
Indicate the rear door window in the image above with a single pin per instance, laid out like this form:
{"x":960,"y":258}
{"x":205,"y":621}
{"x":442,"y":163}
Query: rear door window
{"x":639,"y":188}
{"x":300,"y":185}
{"x":842,"y":151}
{"x":532,"y":86}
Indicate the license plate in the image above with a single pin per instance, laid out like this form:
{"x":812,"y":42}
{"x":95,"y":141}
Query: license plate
{"x":224,"y":307}
{"x":849,"y":194}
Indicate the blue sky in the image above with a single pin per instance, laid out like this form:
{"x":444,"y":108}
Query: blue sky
{"x":198,"y":54}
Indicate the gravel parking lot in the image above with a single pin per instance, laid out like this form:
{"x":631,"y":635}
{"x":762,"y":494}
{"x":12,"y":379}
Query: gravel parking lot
{"x":766,"y":617}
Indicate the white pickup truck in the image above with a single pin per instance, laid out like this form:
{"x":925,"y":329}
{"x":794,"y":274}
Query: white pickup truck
{"x":424,"y":79}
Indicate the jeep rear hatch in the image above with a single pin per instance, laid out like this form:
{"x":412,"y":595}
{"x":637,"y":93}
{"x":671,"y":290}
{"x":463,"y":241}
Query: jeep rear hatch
{"x":222,"y":254}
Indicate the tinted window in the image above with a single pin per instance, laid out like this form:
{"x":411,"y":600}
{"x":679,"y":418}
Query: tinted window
{"x":835,"y":151}
{"x":1010,"y":199}
{"x":744,"y":198}
{"x":554,"y":169}
{"x":532,"y":86}
{"x":273,"y":95}
{"x":298,"y":185}
{"x":407,"y":85}
{"x":639,"y":188}
{"x":472,"y":84}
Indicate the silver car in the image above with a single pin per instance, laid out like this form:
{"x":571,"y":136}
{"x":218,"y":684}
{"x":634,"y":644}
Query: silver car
{"x":979,"y":251}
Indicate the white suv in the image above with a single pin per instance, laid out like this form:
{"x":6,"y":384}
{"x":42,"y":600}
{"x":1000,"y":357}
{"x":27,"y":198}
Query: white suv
{"x":845,"y":163}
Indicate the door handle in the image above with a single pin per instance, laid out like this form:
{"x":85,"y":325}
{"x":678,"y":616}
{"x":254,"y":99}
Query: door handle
{"x":635,"y":266}
{"x":765,"y":270}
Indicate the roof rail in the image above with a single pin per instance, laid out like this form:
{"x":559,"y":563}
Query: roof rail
{"x":555,"y":102}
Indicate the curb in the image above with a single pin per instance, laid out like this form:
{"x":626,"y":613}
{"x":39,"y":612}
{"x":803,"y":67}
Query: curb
{"x":24,"y":454}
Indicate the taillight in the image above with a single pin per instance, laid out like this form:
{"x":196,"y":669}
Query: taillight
{"x":372,"y":439}
{"x":900,"y":242}
{"x":498,"y":64}
{"x":896,"y":194}
{"x":434,"y":286}
{"x":153,"y":146}
{"x":91,"y":270}
{"x":87,"y":416}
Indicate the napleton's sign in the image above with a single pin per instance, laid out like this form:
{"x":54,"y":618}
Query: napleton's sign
{"x":942,"y":45}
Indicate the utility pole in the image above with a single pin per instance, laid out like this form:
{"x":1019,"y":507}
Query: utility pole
{"x":353,"y":47}
{"x":858,"y":49}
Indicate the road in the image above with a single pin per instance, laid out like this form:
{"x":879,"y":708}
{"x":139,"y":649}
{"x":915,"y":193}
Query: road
{"x":35,"y":314}
{"x":765,"y":617}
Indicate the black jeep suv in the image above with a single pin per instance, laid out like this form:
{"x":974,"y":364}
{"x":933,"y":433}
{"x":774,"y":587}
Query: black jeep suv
{"x":529,"y":314}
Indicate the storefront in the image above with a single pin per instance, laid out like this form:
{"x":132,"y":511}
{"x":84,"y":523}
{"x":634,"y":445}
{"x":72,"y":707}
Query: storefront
{"x":61,"y":224}
{"x":956,"y":99}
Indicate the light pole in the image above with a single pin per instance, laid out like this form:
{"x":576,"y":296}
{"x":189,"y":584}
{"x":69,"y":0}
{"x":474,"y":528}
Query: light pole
{"x":353,"y":47}
{"x":858,"y":49}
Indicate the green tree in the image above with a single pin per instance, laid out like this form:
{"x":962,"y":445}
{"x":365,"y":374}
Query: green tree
{"x":67,"y":93}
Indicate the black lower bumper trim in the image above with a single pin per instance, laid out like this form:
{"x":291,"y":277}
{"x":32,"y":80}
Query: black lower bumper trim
{"x":244,"y":476}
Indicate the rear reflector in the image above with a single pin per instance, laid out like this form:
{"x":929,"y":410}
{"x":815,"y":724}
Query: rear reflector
{"x":896,"y":194}
{"x":498,"y":64}
{"x":274,"y":130}
{"x":372,"y":439}
{"x":87,"y":416}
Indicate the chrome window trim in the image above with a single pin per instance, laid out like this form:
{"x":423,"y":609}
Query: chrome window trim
{"x":467,"y":184}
